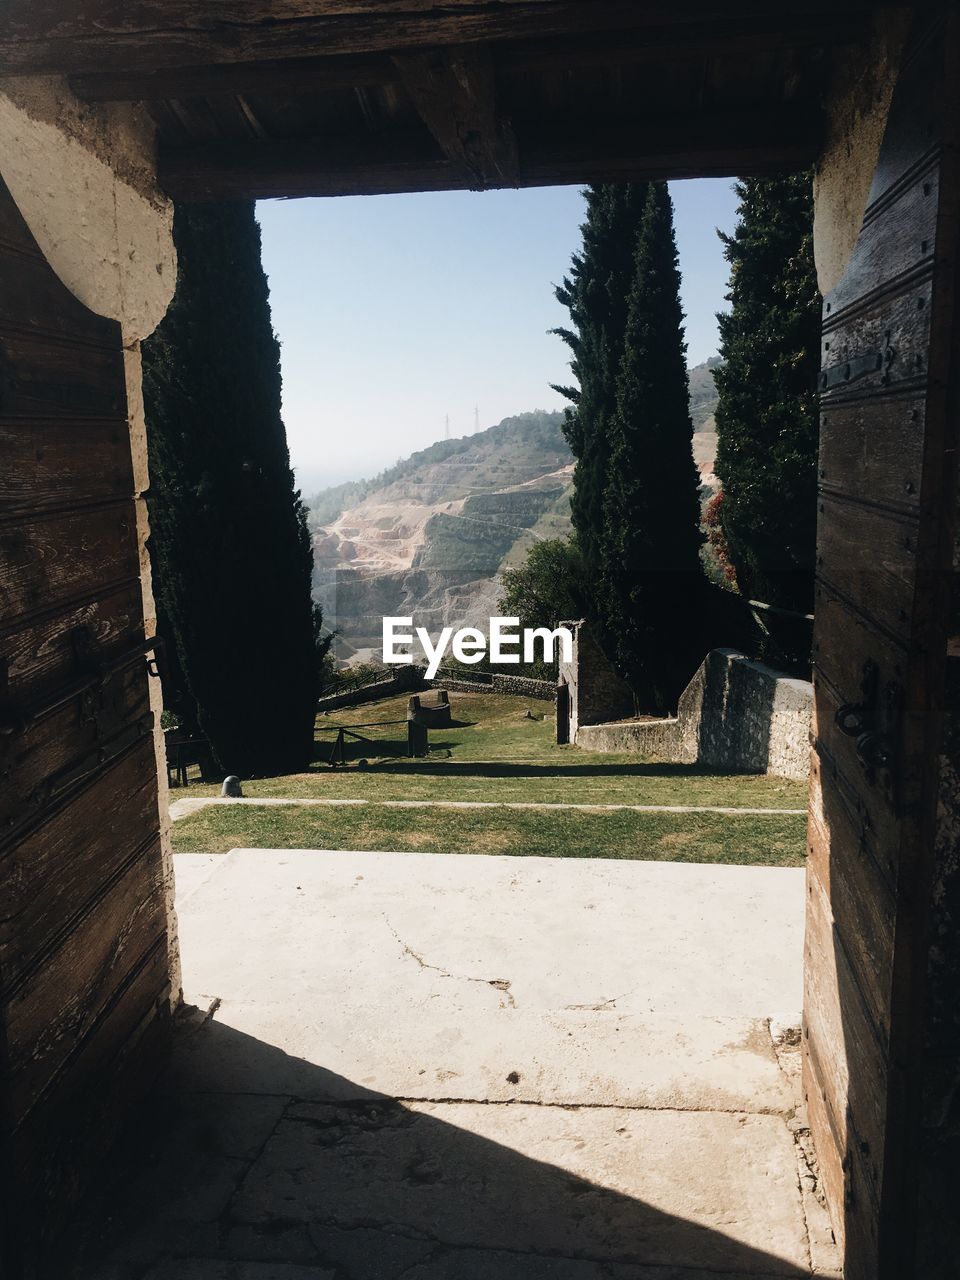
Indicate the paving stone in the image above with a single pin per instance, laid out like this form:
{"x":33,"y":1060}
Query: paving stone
{"x":696,"y":1189}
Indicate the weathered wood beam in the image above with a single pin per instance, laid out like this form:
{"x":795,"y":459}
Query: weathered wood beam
{"x":371,"y":164}
{"x":138,"y":36}
{"x":608,"y":49}
{"x":287,"y":77}
{"x":720,"y":145}
{"x":454,"y":93}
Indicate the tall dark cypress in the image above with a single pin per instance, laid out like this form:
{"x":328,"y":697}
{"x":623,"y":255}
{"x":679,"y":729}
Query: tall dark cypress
{"x":594,"y":292}
{"x":230,"y":549}
{"x":650,"y":586}
{"x":767,"y":420}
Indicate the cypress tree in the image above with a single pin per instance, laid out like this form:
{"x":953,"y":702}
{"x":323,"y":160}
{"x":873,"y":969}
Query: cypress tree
{"x":595,"y":294}
{"x":767,"y":415}
{"x":651,"y":586}
{"x":230,"y":548}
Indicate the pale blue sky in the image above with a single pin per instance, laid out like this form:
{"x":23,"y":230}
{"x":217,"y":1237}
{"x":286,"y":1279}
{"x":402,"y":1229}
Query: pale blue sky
{"x":393,"y":311}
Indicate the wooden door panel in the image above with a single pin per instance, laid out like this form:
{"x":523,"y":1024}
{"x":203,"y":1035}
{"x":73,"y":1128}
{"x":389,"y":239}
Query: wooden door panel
{"x":50,"y":1011}
{"x":875,"y":449}
{"x":62,"y":750}
{"x":57,"y":868}
{"x":45,"y":464}
{"x":44,"y":378}
{"x":867,"y":555}
{"x":84,"y":946}
{"x":881,"y":619}
{"x":43,"y":654}
{"x":896,"y":224}
{"x":55,"y":559}
{"x":864,"y":916}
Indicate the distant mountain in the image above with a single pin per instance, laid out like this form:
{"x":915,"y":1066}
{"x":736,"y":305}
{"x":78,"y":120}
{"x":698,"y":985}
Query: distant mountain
{"x":430,"y":536}
{"x":703,"y":402}
{"x":703,"y":393}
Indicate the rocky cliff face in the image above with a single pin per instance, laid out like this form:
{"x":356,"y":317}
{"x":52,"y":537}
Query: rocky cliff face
{"x":430,"y":537}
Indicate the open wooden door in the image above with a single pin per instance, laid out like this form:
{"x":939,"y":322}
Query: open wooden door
{"x":887,"y":507}
{"x":84,"y":979}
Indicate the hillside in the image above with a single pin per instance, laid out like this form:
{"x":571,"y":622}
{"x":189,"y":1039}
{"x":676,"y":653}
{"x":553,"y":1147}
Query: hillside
{"x":431,"y":535}
{"x":703,"y":402}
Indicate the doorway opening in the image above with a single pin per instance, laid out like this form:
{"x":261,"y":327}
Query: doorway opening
{"x":598,"y":943}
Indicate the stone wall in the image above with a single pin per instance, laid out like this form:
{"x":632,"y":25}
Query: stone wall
{"x":597,"y":694}
{"x":408,"y":679}
{"x":411,"y":678}
{"x":519,"y":686}
{"x":734,"y":714}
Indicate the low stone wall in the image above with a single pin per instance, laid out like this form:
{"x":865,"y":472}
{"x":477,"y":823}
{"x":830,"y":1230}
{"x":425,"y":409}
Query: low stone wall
{"x":655,"y":739}
{"x":517,"y":686}
{"x":411,"y":679}
{"x":524,"y":688}
{"x":407,"y":680}
{"x":735,"y":714}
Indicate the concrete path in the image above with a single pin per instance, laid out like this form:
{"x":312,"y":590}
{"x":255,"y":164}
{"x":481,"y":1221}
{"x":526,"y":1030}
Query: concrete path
{"x":182,"y":808}
{"x":488,"y":1068}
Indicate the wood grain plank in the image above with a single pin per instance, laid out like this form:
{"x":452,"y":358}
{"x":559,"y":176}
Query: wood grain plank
{"x":853,"y":1070}
{"x":44,"y":764}
{"x":454,"y":93}
{"x":34,"y":299}
{"x":62,"y":1144}
{"x":54,"y":872}
{"x":874,"y":448}
{"x":47,"y":35}
{"x":40,"y":657}
{"x":914,"y":128}
{"x":863,"y":903}
{"x":40,"y":378}
{"x":853,"y":1211}
{"x":830,"y":1154}
{"x":868,"y":555}
{"x":49,"y":464}
{"x":550,"y":55}
{"x":53,"y":560}
{"x":721,"y":144}
{"x":52,"y":1012}
{"x":892,"y":329}
{"x":891,"y":246}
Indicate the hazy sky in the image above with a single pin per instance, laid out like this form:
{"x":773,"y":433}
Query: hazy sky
{"x":394,"y":311}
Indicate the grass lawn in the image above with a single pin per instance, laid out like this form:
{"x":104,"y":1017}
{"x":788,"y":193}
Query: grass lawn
{"x":775,"y":841}
{"x":494,"y":752}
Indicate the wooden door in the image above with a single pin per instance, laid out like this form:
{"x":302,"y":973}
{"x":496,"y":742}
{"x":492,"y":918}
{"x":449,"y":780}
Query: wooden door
{"x":887,"y":499}
{"x":83,"y":925}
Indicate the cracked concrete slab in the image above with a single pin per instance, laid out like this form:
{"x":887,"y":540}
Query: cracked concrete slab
{"x":478,"y":917}
{"x":419,"y":1067}
{"x":611,"y":1185}
{"x":430,"y":976}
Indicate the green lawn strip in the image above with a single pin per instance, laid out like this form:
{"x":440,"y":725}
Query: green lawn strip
{"x":770,"y":841}
{"x":496,"y":753}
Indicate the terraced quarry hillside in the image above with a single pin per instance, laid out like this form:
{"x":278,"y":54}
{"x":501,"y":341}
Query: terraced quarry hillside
{"x":430,"y":536}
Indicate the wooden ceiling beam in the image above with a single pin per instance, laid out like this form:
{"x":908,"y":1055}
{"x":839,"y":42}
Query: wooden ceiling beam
{"x":454,"y":93}
{"x":146,"y":36}
{"x":610,"y":49}
{"x":285,"y":77}
{"x":744,"y":143}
